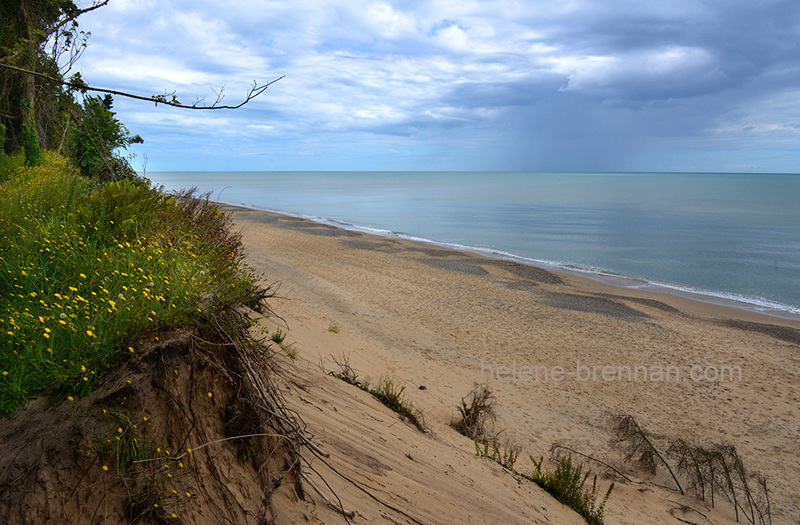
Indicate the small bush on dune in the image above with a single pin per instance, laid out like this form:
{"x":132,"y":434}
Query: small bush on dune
{"x":346,"y":372}
{"x":477,"y":412}
{"x":568,"y":485}
{"x":278,"y":336}
{"x":710,"y":470}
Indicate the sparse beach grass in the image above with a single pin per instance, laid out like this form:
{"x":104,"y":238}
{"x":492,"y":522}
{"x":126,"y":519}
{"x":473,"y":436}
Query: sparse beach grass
{"x":90,"y":273}
{"x":387,"y":391}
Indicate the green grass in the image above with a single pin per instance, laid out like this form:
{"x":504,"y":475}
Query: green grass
{"x":391,"y":395}
{"x":278,"y":336}
{"x":386,"y":391}
{"x":92,"y":273}
{"x":568,"y":485}
{"x":505,"y":454}
{"x":9,"y":163}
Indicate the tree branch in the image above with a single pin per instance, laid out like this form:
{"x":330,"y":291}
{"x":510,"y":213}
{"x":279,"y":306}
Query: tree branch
{"x":254,"y":91}
{"x":73,"y":16}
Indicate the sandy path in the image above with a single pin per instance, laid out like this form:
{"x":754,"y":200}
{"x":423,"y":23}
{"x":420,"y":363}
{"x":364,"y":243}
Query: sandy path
{"x":442,"y":318}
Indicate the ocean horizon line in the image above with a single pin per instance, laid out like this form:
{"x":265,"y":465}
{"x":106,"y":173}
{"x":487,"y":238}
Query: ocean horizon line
{"x":506,"y":172}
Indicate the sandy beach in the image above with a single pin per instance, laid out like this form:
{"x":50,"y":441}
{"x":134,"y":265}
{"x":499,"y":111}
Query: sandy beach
{"x":439,"y":321}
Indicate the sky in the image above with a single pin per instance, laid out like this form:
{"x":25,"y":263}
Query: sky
{"x":505,"y":85}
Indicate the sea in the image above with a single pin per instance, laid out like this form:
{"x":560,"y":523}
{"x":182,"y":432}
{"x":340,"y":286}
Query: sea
{"x":731,"y":239}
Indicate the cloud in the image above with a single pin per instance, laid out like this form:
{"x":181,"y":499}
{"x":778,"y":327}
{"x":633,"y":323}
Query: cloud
{"x":507,"y":84}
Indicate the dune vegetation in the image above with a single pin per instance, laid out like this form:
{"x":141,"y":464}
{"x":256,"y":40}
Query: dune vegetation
{"x":91,"y":272}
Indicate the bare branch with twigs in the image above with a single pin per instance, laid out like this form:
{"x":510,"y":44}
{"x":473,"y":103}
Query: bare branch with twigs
{"x":81,"y":86}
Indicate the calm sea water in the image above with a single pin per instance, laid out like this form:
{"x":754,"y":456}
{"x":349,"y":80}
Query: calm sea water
{"x":723,"y":236}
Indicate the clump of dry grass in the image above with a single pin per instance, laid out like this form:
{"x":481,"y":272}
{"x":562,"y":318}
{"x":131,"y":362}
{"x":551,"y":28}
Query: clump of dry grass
{"x":477,"y":411}
{"x":346,"y":372}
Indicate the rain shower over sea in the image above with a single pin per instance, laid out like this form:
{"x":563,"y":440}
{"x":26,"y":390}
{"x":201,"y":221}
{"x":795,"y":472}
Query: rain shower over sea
{"x":724,"y":238}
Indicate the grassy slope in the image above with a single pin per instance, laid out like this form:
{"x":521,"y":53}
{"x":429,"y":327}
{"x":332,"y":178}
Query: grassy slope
{"x":90,"y":273}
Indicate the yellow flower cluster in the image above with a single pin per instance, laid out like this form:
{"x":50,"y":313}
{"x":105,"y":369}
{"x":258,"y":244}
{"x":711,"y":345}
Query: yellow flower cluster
{"x":73,"y":298}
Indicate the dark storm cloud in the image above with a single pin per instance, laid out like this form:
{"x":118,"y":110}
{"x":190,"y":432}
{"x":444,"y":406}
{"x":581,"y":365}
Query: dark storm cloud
{"x":519,"y":85}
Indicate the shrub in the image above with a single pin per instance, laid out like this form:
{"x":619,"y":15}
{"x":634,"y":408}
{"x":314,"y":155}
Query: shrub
{"x":638,"y":445}
{"x":720,"y":469}
{"x":568,"y":485}
{"x":346,"y":372}
{"x":477,"y":411}
{"x":94,"y":141}
{"x":278,"y":336}
{"x":9,"y":163}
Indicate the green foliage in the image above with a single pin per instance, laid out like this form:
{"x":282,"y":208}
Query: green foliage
{"x":568,"y":485}
{"x":121,"y":209}
{"x":90,"y":274}
{"x":505,"y":454}
{"x":32,"y":36}
{"x":125,"y":447}
{"x":386,"y":391}
{"x":290,"y":351}
{"x":9,"y":164}
{"x":33,"y":154}
{"x":278,"y":336}
{"x":30,"y":142}
{"x":95,"y":139}
{"x":391,"y":395}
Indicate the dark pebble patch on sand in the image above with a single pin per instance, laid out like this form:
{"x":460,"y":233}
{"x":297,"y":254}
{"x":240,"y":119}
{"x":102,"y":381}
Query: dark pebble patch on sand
{"x":520,"y":285}
{"x":458,"y":265}
{"x":592,"y":304}
{"x":379,"y":246}
{"x":301,"y":225}
{"x":784,"y":333}
{"x":641,"y":300}
{"x":531,"y":273}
